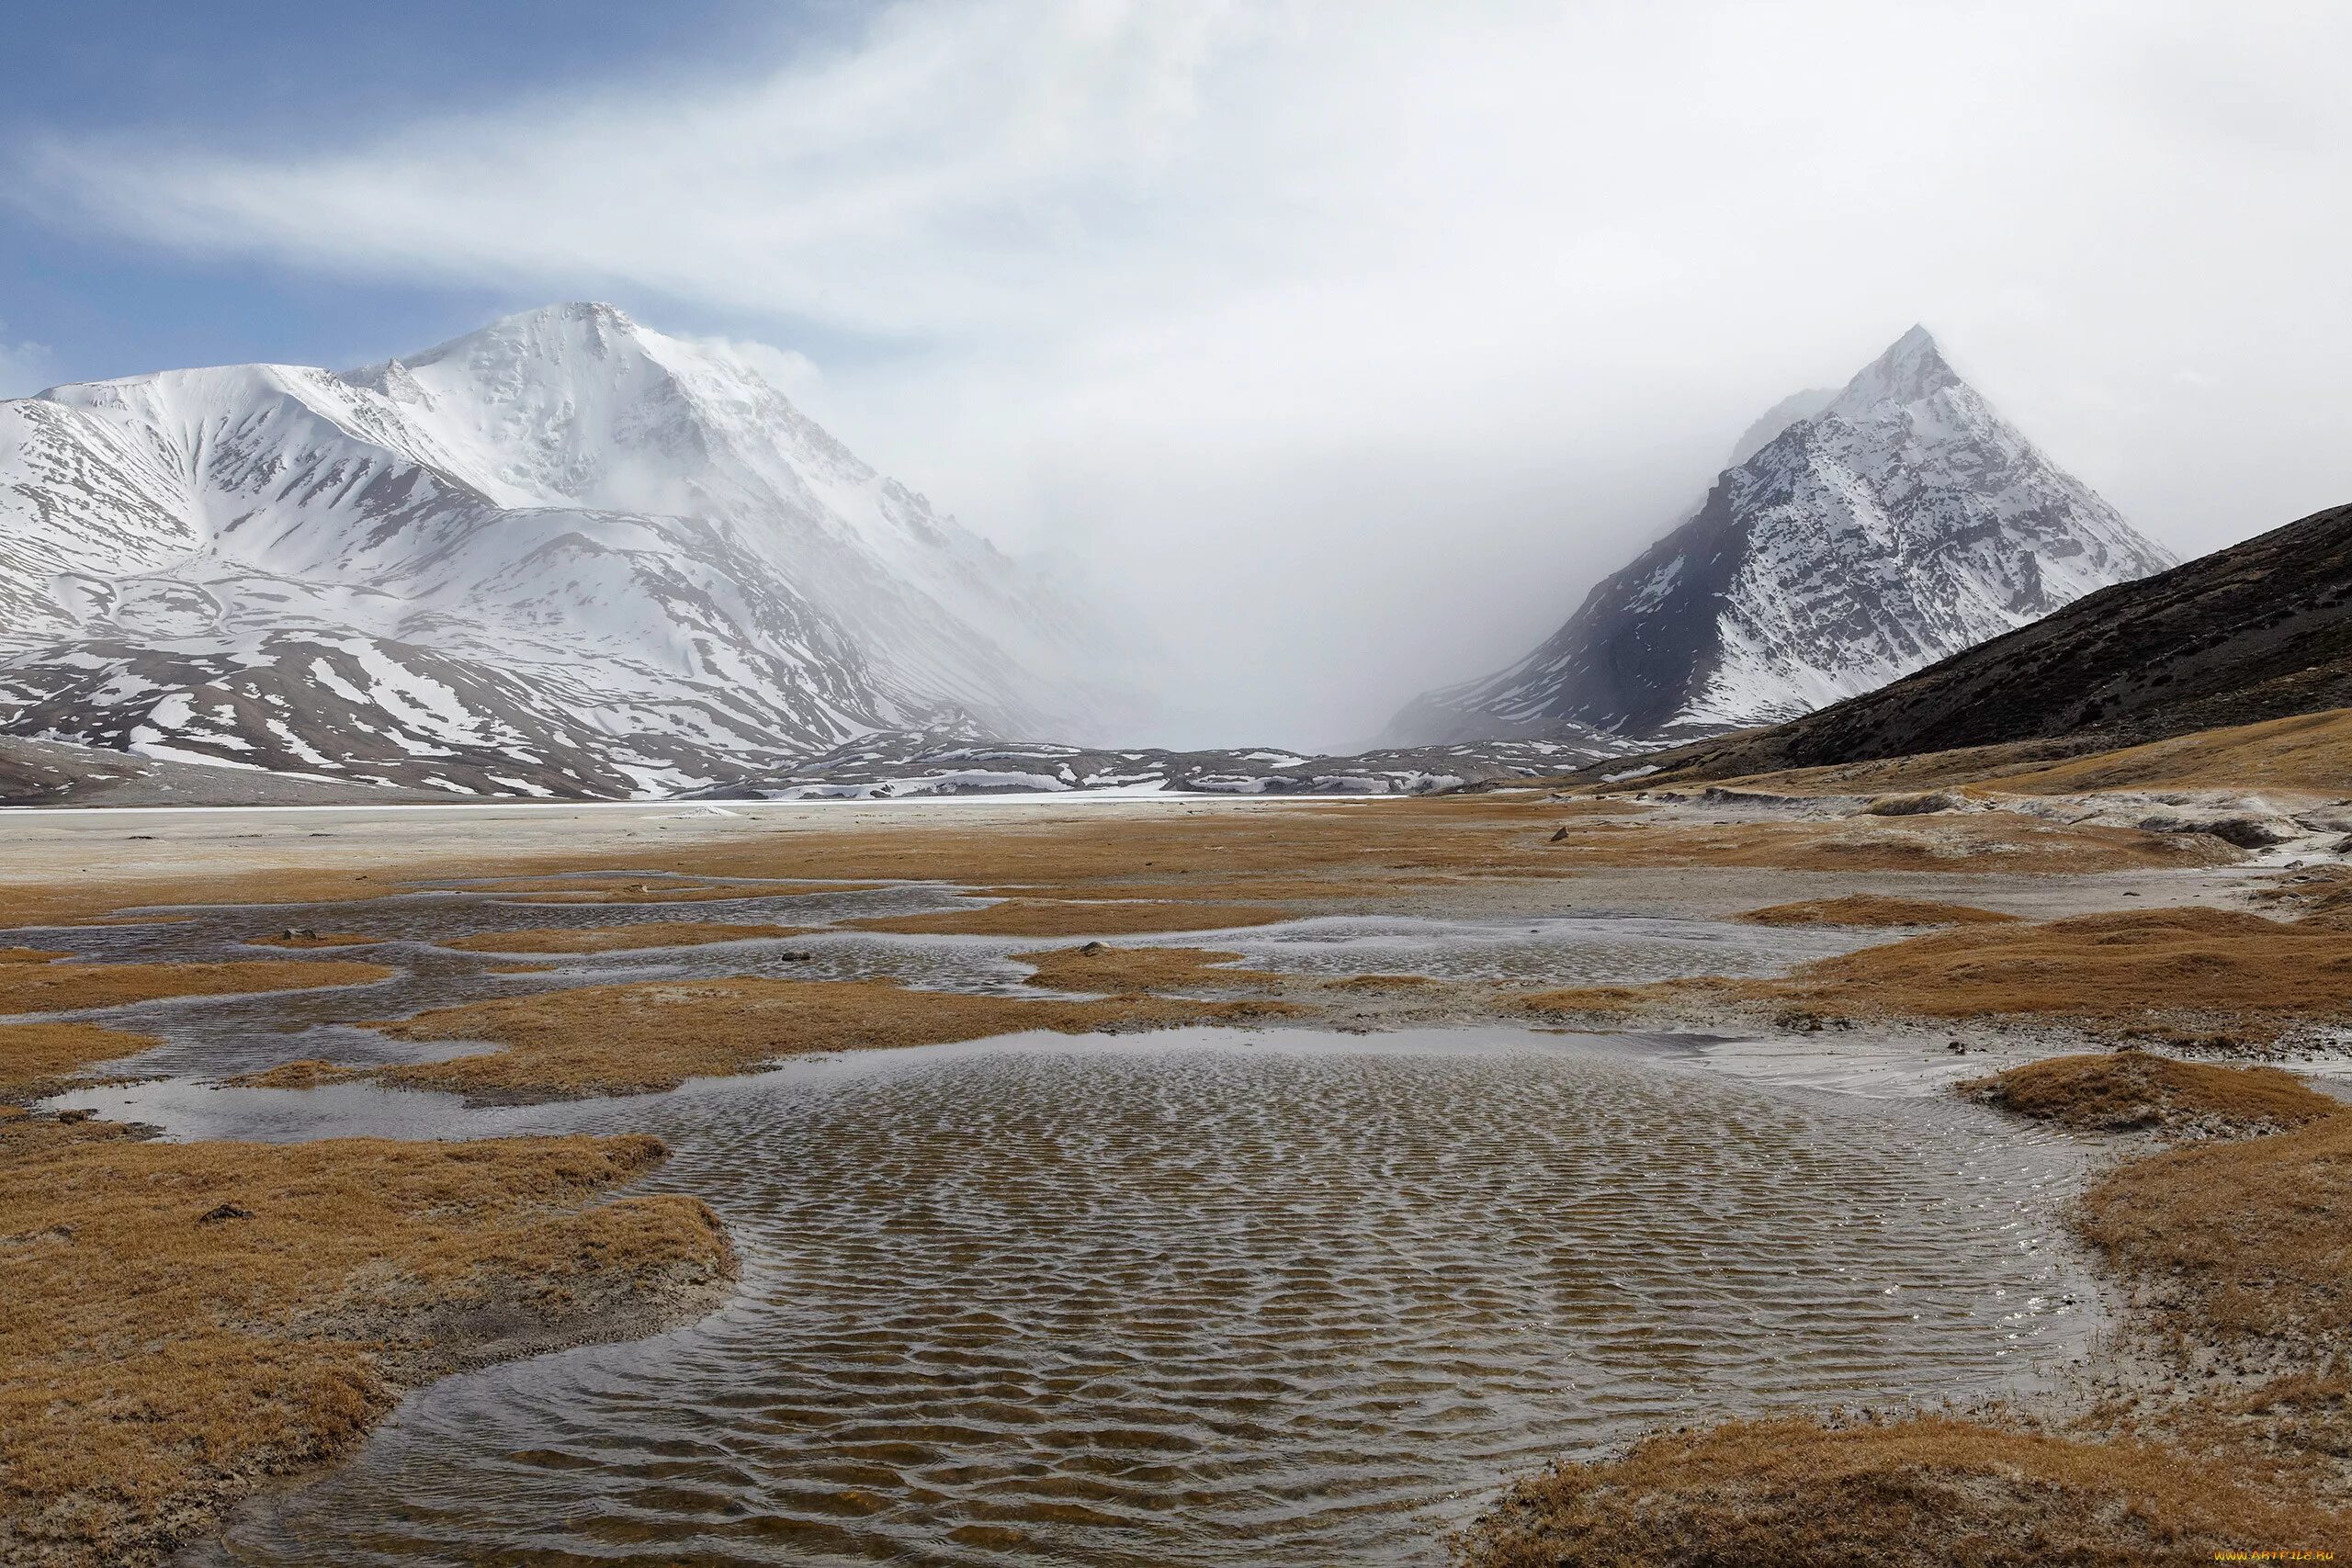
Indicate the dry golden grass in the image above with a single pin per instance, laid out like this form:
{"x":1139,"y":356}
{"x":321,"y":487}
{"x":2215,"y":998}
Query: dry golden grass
{"x":636,"y":1039}
{"x":1964,"y":769}
{"x":31,"y":954}
{"x":2309,"y":751}
{"x":1130,"y":971}
{"x":1871,"y":909}
{"x":1378,"y":983}
{"x":2252,"y":974}
{"x":1059,"y":916}
{"x":1374,"y":853}
{"x":156,"y":1363}
{"x":71,"y":987}
{"x":37,"y":1059}
{"x":307,"y":1072}
{"x":27,"y":1135}
{"x":2321,"y":897}
{"x":2213,"y":976}
{"x":617,"y":939}
{"x":2298,"y":1426}
{"x":2252,"y":1237}
{"x":300,"y":940}
{"x":1924,"y":1492}
{"x":1979,"y":842}
{"x":100,"y":901}
{"x":2123,"y":1091}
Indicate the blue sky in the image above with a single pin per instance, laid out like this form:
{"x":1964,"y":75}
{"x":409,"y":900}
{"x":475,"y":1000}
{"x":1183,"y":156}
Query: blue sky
{"x":256,"y":75}
{"x":1344,"y":343}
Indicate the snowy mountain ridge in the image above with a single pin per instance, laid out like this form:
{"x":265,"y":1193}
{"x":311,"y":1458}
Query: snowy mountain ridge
{"x":1863,"y":535}
{"x":913,"y":765}
{"x":564,"y":554}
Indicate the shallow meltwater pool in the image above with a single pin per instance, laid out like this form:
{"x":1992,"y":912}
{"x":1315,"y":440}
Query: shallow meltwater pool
{"x":1206,"y":1297}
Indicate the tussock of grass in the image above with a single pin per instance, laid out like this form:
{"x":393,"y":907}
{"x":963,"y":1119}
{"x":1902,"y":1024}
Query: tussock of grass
{"x":70,"y":987}
{"x":155,"y":1365}
{"x":2252,"y":1237}
{"x":1872,"y":909}
{"x":1131,"y":971}
{"x":31,"y":954}
{"x":2123,"y":1091}
{"x":308,"y":1072}
{"x":1378,"y":983}
{"x":1924,"y":1492}
{"x":37,"y":1059}
{"x":637,"y":1039}
{"x":1058,"y":917}
{"x":617,"y":939}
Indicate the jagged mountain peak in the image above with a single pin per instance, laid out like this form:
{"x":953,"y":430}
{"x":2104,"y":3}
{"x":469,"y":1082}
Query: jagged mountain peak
{"x":570,"y":332}
{"x":563,"y":552}
{"x":1901,"y":522}
{"x":1912,"y":370}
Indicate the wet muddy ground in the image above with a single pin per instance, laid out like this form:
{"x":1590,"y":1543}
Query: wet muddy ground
{"x":1196,"y":1296}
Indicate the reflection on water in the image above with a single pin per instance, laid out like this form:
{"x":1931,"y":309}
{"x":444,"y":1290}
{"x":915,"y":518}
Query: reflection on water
{"x":1198,"y":1298}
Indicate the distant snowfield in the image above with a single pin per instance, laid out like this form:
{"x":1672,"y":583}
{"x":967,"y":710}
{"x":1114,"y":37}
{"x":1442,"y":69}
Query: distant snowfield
{"x":685,"y":810}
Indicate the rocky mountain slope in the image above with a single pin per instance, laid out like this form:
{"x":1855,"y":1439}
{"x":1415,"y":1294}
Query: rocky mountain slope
{"x":911,"y":764}
{"x":565,"y":555}
{"x":1863,"y":535}
{"x":2260,"y":630}
{"x":54,"y":773}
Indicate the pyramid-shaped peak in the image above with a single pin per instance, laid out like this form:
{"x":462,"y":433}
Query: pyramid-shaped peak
{"x":1918,"y":340}
{"x":1911,"y":369}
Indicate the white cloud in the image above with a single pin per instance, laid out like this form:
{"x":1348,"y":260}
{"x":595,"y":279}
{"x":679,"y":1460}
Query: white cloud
{"x":788,"y":370}
{"x":1359,"y":338}
{"x":24,"y":367}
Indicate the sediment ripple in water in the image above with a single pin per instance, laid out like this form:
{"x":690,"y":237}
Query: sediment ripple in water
{"x":1180,"y":1301}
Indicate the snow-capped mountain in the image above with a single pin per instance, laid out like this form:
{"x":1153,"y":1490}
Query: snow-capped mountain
{"x":1862,"y":534}
{"x":564,"y":554}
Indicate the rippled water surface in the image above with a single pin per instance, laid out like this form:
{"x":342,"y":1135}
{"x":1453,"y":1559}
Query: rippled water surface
{"x":1205,"y":1298}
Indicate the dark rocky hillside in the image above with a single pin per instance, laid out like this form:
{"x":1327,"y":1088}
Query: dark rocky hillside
{"x":2260,"y":630}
